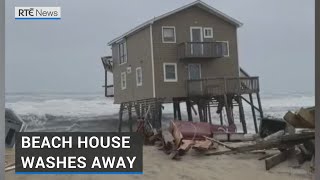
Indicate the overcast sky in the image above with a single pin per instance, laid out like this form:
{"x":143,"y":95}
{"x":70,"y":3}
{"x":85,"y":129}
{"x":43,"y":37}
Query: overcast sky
{"x":275,"y":43}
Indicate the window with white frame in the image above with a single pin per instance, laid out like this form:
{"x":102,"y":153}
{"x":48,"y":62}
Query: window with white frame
{"x":139,"y":76}
{"x":170,"y":72}
{"x":207,"y":32}
{"x":168,"y":34}
{"x":225,"y":48}
{"x":122,"y":52}
{"x":123,"y":80}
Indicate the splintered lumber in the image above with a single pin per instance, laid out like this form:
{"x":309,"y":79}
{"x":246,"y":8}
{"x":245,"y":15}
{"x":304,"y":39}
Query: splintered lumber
{"x":185,"y":146}
{"x":275,"y":160}
{"x":266,"y":156}
{"x":234,"y":137}
{"x":307,"y":115}
{"x":274,"y":135}
{"x":176,"y":134}
{"x":202,"y":145}
{"x":168,"y":140}
{"x":218,"y":142}
{"x":284,"y":141}
{"x":303,"y":119}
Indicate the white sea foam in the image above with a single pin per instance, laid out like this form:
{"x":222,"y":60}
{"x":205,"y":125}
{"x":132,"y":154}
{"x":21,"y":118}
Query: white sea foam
{"x":68,"y":106}
{"x":38,"y":108}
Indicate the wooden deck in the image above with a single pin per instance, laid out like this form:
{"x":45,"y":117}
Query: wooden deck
{"x":221,"y":86}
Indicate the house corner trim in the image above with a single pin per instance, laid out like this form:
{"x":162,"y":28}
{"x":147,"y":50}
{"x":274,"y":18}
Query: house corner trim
{"x":152,"y":63}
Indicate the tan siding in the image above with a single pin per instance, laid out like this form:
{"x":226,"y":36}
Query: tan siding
{"x":139,"y":55}
{"x":194,"y":16}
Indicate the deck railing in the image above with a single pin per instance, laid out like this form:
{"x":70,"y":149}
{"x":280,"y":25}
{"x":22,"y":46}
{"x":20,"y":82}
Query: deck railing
{"x":220,"y":86}
{"x":200,"y":50}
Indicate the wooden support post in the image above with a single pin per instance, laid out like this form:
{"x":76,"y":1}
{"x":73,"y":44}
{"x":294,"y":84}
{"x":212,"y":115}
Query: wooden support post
{"x":230,"y":120}
{"x":174,"y":110}
{"x":242,"y":117}
{"x":130,"y":116}
{"x":200,"y":112}
{"x":160,"y":115}
{"x":205,"y":113}
{"x":188,"y":104}
{"x":179,"y":111}
{"x":259,"y":103}
{"x":253,"y":114}
{"x":120,"y":117}
{"x":221,"y":117}
{"x":157,"y":118}
{"x":142,"y":110}
{"x":137,"y":109}
{"x":209,"y":113}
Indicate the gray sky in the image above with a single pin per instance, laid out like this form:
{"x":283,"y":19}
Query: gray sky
{"x":275,"y":43}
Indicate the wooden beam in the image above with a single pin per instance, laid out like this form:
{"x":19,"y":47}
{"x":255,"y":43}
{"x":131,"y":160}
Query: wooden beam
{"x":250,"y":103}
{"x":259,"y":103}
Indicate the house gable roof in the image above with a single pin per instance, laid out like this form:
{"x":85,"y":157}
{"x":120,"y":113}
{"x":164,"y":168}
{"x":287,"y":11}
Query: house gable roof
{"x":196,"y":3}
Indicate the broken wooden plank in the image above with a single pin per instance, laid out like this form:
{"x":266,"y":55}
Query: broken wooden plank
{"x":283,"y":142}
{"x":275,"y":160}
{"x":168,"y":140}
{"x":185,"y":146}
{"x":176,"y":134}
{"x":297,"y":121}
{"x":234,"y":137}
{"x":218,"y":142}
{"x":307,"y":115}
{"x":266,"y":156}
{"x":274,"y":135}
{"x":203,"y":145}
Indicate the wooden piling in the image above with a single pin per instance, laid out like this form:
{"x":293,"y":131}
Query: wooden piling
{"x":137,"y":109}
{"x":120,"y":117}
{"x":130,"y":116}
{"x":179,"y":110}
{"x":209,"y":113}
{"x":230,"y":120}
{"x":188,"y":104}
{"x":200,"y":112}
{"x":241,"y":114}
{"x":174,"y":110}
{"x":253,"y":113}
{"x":221,"y":118}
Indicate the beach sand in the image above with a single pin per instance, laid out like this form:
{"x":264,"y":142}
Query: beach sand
{"x":158,"y":166}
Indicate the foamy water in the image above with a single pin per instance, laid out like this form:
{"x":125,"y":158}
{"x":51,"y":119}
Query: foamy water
{"x":42,"y":110}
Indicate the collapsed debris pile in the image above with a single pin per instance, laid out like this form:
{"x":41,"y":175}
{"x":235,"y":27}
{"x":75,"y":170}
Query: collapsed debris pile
{"x":291,"y":138}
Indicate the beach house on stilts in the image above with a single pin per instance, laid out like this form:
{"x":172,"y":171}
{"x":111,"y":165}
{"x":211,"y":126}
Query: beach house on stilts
{"x":188,"y":55}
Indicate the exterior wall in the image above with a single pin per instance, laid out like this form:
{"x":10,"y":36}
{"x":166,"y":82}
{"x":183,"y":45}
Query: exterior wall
{"x":138,"y":55}
{"x":167,"y":52}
